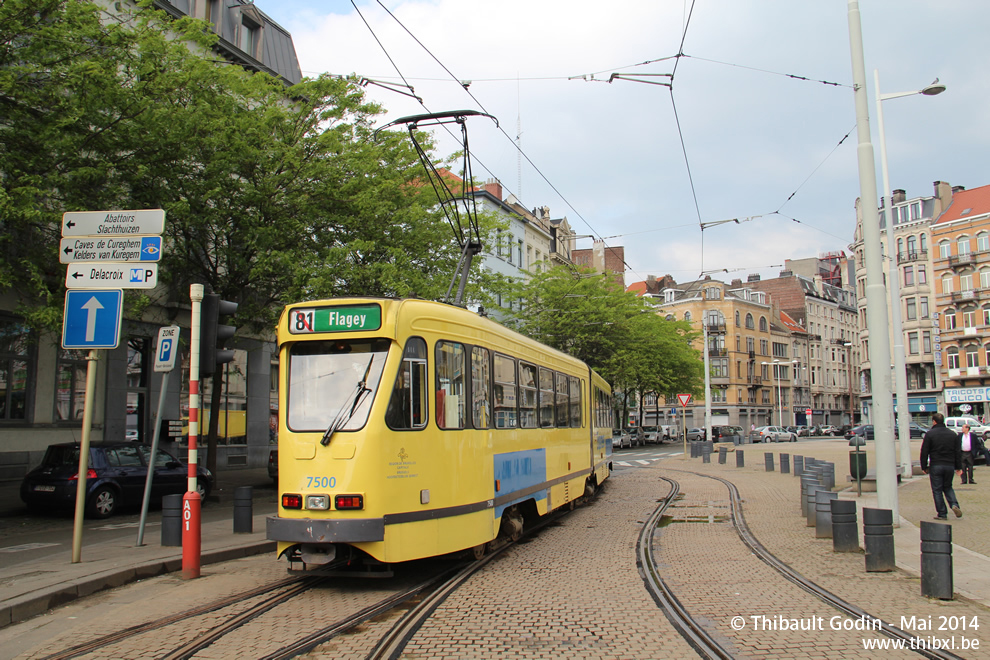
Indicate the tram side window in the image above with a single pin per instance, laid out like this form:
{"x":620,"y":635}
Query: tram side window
{"x":546,"y":398}
{"x":481,"y":407}
{"x":408,"y":408}
{"x":506,"y":394}
{"x":562,"y":400}
{"x":575,"y":401}
{"x":451,"y":411}
{"x":527,"y":396}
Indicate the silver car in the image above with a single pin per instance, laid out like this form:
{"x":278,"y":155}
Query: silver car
{"x":773,"y":434}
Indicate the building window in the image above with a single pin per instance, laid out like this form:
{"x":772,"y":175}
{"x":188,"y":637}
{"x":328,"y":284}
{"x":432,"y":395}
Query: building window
{"x":70,"y":386}
{"x":926,"y":341}
{"x":944,"y":250}
{"x":908,"y":275}
{"x":966,"y":282}
{"x":687,"y":316}
{"x":952,"y":358}
{"x":913,"y":343}
{"x":924,"y":307}
{"x":248,"y":38}
{"x":763,"y":324}
{"x":15,"y":370}
{"x":985,"y":279}
{"x":969,"y":318}
{"x":749,"y":322}
{"x":912,"y":245}
{"x":972,"y":356}
{"x":764,"y":347}
{"x":924,"y":242}
{"x":947,"y":284}
{"x":922,"y":275}
{"x":982,"y":242}
{"x":950,"y":319}
{"x":713,"y":293}
{"x":912,"y":309}
{"x":737,"y":318}
{"x":986,"y":315}
{"x":962,"y":245}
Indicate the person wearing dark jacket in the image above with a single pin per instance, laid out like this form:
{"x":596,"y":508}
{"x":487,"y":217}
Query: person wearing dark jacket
{"x":941,"y":455}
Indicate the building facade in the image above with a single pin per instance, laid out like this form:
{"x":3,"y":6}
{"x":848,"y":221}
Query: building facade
{"x":915,"y":264}
{"x":961,"y":328}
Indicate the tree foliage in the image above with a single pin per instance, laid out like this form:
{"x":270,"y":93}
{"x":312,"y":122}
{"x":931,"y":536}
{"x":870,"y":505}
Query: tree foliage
{"x":272,"y":194}
{"x":620,"y":335}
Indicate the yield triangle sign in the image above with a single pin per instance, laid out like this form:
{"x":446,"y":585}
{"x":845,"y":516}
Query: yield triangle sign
{"x":684,"y":399}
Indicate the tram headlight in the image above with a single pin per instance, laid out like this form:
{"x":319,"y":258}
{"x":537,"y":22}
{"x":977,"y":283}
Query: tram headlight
{"x":318,"y":502}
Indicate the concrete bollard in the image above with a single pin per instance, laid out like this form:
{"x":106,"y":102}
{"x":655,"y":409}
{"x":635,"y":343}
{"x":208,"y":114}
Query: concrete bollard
{"x":768,"y":461}
{"x":706,"y":457}
{"x":172,"y":520}
{"x":878,"y":539}
{"x":845,"y":529}
{"x":812,"y":498}
{"x":722,"y":451}
{"x":694,"y":450}
{"x":936,"y":560}
{"x":823,"y":513}
{"x":740,"y":459}
{"x":785,"y":463}
{"x":798,"y":466}
{"x":829,"y":475}
{"x":243,"y":516}
{"x":807,"y":481}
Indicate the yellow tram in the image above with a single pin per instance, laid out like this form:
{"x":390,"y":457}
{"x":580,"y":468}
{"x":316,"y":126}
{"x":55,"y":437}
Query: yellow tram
{"x":410,"y":429}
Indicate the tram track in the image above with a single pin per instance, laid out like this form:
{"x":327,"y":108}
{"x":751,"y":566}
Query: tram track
{"x":695,"y":632}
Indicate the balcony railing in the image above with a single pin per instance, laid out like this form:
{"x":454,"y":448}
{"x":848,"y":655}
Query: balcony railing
{"x":754,"y":380}
{"x":717,"y":352}
{"x":914,"y":255}
{"x":716,"y":328}
{"x":961,"y":296}
{"x":962,"y":259}
{"x":752,"y":355}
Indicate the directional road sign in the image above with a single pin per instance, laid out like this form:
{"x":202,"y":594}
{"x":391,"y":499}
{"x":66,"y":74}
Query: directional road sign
{"x":94,"y":248}
{"x":113,"y":223}
{"x":168,"y":346}
{"x":103,"y":275}
{"x":92,"y":318}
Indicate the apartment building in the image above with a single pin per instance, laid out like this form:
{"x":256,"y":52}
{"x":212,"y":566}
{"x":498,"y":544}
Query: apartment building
{"x":960,"y":238}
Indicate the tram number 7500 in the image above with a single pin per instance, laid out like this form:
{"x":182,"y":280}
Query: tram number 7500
{"x":321,"y":482}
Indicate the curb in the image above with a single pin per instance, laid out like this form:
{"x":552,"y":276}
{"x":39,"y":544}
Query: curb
{"x":24,"y":607}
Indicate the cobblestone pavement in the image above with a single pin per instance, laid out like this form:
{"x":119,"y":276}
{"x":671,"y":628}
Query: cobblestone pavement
{"x":772,"y":509}
{"x":575,"y":591}
{"x":572,"y":592}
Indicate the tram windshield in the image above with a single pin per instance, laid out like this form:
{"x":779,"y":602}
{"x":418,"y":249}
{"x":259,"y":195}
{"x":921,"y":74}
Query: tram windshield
{"x":333,"y":383}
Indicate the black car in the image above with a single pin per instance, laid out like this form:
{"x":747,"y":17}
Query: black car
{"x":733,"y":434}
{"x":116,"y":476}
{"x":864,"y":431}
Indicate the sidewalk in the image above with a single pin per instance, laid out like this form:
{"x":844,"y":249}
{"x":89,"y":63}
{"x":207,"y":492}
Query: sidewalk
{"x":31,"y":588}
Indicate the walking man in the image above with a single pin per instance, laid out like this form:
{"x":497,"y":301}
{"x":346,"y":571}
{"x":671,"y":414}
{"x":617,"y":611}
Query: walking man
{"x":969,"y":446}
{"x":941,"y":455}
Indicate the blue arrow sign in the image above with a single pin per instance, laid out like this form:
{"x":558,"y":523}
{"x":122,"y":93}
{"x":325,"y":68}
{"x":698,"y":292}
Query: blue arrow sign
{"x":92,"y":318}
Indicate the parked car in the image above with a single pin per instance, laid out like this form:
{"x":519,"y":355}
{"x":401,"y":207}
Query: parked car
{"x":956,"y":424}
{"x":115,"y":478}
{"x":773,"y":434}
{"x":917,"y":431}
{"x":804,"y":431}
{"x":733,"y":434}
{"x":273,"y":464}
{"x":695,"y":434}
{"x":828,"y":429}
{"x":670,"y":432}
{"x":863,"y":430}
{"x":635,"y":436}
{"x":651,"y":435}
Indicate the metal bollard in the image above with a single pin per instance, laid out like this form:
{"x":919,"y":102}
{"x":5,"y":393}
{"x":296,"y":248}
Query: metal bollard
{"x":694,"y":450}
{"x":172,"y":520}
{"x":829,"y":475}
{"x":768,"y":461}
{"x":806,"y":482}
{"x":823,"y":513}
{"x":243,"y":517}
{"x":740,"y":459}
{"x":878,"y":539}
{"x":721,"y":455}
{"x":785,"y":463}
{"x":798,"y":466}
{"x":812,"y":498}
{"x":936,"y":560}
{"x":706,"y":457}
{"x":845,"y":529}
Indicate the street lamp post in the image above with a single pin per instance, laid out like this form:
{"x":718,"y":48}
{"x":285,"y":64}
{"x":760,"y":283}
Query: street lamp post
{"x":876,"y":296}
{"x":893,"y":278}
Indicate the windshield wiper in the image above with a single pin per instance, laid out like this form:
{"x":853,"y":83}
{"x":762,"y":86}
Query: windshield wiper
{"x":341,"y":418}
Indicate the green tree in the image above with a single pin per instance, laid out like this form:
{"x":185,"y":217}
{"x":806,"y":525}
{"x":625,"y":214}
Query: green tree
{"x":619,"y":334}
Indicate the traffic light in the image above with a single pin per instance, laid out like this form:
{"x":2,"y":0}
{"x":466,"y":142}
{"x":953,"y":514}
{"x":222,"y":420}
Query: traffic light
{"x":213,"y":334}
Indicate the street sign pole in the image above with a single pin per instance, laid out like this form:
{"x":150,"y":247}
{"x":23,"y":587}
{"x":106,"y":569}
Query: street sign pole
{"x":191,"y":536}
{"x":77,"y":525}
{"x":168,"y":342}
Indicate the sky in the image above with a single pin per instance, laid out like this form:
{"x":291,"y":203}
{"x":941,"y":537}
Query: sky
{"x":738,"y":134}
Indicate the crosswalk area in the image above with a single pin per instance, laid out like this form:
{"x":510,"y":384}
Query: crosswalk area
{"x":645,"y":459}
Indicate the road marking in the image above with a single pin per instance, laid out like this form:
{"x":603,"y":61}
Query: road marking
{"x":27,"y":546}
{"x":106,"y":528}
